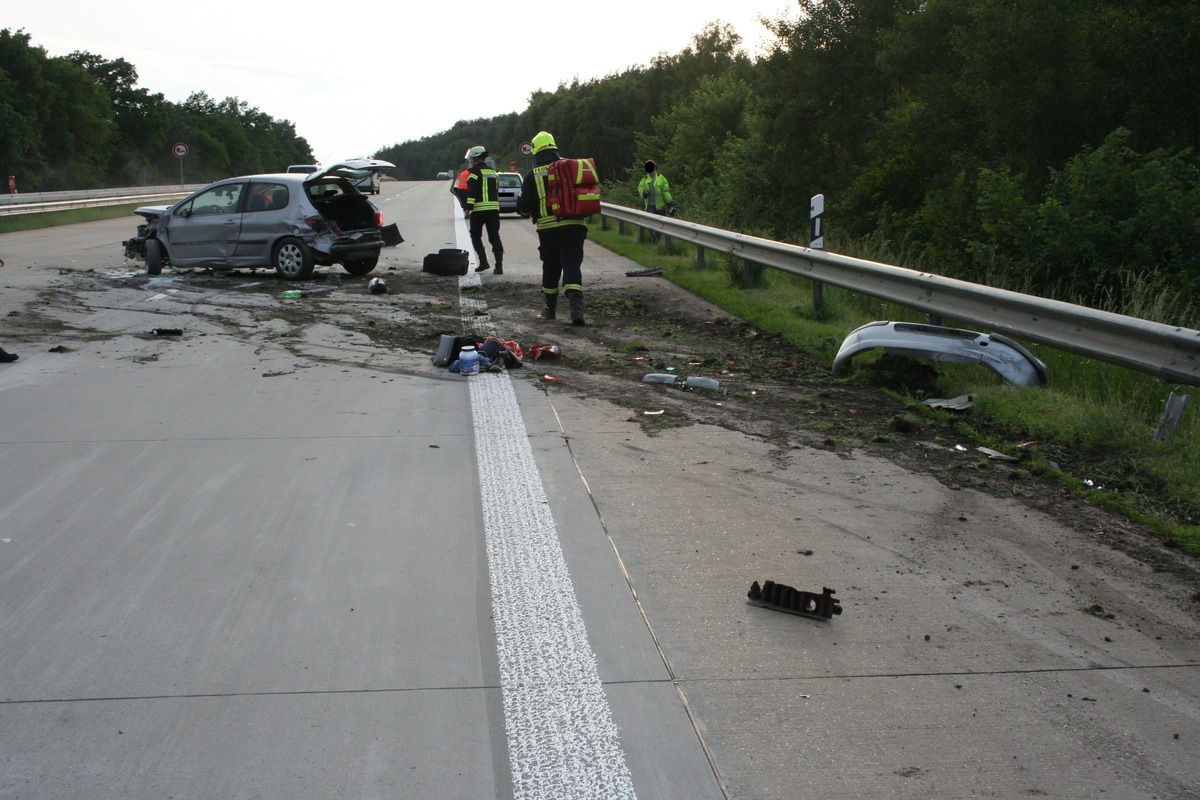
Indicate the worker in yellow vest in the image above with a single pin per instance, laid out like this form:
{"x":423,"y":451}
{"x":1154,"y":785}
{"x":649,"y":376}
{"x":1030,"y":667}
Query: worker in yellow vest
{"x":560,"y":240}
{"x":483,"y":208}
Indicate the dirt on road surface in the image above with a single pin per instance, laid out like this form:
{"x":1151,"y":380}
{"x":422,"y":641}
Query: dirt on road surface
{"x":636,"y":327}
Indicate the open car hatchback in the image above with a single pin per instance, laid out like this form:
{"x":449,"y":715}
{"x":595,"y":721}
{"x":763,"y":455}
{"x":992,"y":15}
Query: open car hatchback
{"x":289,"y":222}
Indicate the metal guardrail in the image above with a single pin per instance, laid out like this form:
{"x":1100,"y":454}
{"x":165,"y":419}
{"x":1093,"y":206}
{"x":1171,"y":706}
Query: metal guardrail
{"x":1164,"y":351}
{"x":42,"y":202}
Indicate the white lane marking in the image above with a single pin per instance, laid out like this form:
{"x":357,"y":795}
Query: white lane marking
{"x":562,"y":741}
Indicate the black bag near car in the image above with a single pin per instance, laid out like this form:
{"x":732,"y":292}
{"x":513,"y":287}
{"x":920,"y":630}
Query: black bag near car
{"x":446,"y":262}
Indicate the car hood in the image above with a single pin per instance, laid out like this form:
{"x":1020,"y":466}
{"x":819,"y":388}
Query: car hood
{"x":151,"y":212}
{"x":352,"y":168}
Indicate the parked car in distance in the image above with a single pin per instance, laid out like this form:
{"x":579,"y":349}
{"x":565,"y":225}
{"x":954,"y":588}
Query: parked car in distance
{"x":290,"y":222}
{"x":445,"y":176}
{"x":509,"y":189}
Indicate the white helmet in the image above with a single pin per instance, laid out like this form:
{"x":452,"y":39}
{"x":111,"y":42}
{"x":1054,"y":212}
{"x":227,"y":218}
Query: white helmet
{"x":478,"y":151}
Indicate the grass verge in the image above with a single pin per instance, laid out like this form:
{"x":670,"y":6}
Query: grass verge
{"x":49,"y":219}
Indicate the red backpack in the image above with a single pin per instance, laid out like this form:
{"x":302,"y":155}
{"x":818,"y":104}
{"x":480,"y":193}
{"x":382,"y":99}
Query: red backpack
{"x":572,"y":189}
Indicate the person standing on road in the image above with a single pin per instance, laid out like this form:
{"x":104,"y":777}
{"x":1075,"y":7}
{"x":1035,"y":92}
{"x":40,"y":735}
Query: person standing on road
{"x":483,"y":208}
{"x":459,"y":189}
{"x":655,"y":190}
{"x":560,"y":240}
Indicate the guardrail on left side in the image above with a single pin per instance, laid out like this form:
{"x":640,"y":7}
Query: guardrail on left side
{"x":42,"y":202}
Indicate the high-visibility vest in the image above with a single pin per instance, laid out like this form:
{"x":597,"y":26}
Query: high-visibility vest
{"x":481,"y":189}
{"x":462,"y":179}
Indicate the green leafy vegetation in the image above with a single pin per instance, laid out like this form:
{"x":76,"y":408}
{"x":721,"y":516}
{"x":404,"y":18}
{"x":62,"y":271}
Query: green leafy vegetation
{"x":82,"y":122}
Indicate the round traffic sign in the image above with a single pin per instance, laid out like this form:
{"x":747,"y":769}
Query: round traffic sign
{"x":526,"y":149}
{"x":180,"y":149}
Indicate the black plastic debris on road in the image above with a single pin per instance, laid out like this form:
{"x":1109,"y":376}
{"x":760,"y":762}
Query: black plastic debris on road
{"x":167,"y":332}
{"x":780,"y":597}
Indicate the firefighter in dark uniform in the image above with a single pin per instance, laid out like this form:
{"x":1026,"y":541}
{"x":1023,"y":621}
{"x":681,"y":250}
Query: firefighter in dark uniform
{"x":560,"y":241}
{"x":483,"y":209}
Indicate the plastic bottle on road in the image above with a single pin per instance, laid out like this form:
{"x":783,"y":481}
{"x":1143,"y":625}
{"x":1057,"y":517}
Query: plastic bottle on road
{"x":468,"y":361}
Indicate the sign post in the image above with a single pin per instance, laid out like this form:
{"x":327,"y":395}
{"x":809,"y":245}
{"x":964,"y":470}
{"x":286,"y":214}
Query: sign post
{"x":816,"y":219}
{"x":526,"y":150}
{"x":180,"y":150}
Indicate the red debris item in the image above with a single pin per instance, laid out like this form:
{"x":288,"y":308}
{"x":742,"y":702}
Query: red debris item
{"x":545,"y":351}
{"x":552,"y":379}
{"x":638,"y":358}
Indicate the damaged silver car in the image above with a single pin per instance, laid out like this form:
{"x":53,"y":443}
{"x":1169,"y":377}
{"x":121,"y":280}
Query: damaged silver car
{"x":289,"y":222}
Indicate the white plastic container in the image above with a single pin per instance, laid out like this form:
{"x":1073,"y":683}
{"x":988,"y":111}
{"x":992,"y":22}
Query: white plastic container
{"x":468,"y":361}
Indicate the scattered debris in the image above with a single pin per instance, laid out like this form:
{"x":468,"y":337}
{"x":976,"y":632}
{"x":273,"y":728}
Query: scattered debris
{"x":643,"y":273}
{"x":377,"y":286}
{"x":654,"y":413}
{"x":779,"y":597}
{"x":167,"y":332}
{"x":960,"y":403}
{"x":552,"y":379}
{"x":293,"y":294}
{"x":688,"y":383}
{"x":704,"y":383}
{"x":996,"y":455}
{"x":545,"y":351}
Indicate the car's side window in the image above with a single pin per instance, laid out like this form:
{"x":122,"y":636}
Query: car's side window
{"x":267,"y":197}
{"x":216,"y":200}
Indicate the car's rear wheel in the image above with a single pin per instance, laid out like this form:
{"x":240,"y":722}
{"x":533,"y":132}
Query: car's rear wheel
{"x":154,"y":257}
{"x":361,"y":266}
{"x":293,"y":260}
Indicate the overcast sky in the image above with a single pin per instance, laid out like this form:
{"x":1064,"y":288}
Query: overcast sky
{"x":372,"y":78}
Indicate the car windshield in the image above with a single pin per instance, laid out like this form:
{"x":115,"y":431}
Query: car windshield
{"x":509,"y":180}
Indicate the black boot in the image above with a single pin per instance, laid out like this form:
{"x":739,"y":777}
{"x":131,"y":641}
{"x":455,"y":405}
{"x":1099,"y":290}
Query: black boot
{"x":484,"y":266}
{"x":5,"y":357}
{"x":499,"y":263}
{"x":576,"y":301}
{"x":551,"y":307}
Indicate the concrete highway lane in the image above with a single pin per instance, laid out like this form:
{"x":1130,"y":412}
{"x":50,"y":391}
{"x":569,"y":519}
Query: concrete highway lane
{"x":227,"y":571}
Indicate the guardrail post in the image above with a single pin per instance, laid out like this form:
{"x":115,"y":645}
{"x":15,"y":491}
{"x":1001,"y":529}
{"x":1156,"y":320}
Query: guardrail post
{"x":699,"y":256}
{"x":1170,"y":417}
{"x":751,"y":272}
